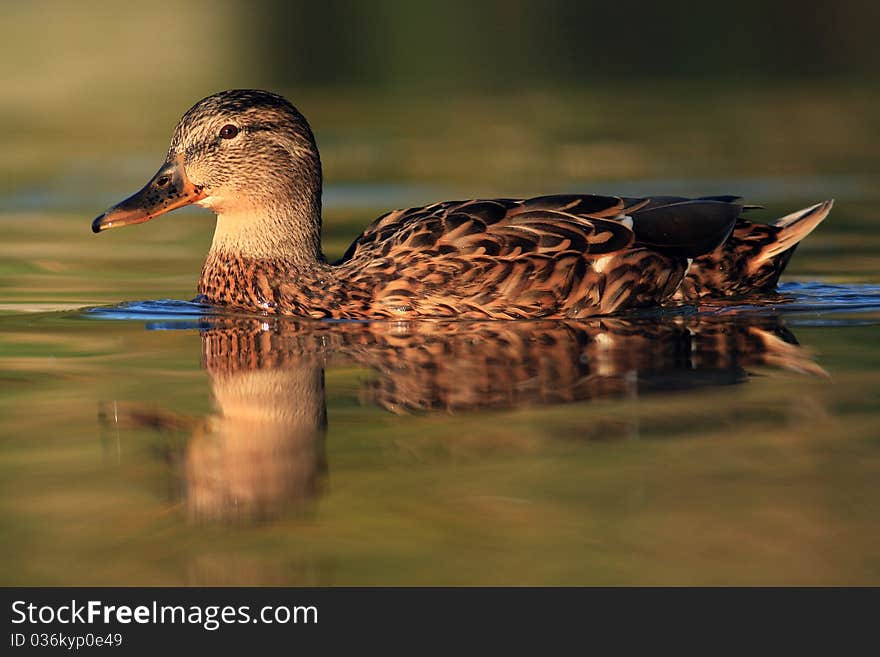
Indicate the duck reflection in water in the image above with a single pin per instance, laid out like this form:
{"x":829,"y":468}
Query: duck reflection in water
{"x":262,"y":450}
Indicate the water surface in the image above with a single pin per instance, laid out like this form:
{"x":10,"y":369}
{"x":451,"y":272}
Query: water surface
{"x":162,"y":443}
{"x":159,"y":442}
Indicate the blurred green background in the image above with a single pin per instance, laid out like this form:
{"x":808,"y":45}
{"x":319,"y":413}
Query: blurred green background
{"x":484,"y":97}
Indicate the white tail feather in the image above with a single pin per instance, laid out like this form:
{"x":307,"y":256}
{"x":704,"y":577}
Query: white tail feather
{"x":795,"y":227}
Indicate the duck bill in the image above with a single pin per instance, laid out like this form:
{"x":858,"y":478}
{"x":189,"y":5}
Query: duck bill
{"x":168,"y":190}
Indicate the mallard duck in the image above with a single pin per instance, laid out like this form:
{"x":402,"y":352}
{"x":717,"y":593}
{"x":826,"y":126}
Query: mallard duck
{"x":251,"y":157}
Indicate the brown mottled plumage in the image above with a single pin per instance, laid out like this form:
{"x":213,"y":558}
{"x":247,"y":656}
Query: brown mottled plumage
{"x":251,"y":157}
{"x":455,"y":366}
{"x":752,"y":258}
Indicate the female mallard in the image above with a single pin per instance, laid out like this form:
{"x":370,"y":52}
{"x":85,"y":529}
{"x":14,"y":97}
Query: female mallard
{"x":250,"y":156}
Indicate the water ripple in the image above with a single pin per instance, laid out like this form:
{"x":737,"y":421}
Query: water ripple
{"x":806,"y":299}
{"x":167,"y":309}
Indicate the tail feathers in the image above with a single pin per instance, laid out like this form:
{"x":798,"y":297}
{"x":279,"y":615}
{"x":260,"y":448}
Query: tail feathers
{"x":792,"y":229}
{"x":752,"y":258}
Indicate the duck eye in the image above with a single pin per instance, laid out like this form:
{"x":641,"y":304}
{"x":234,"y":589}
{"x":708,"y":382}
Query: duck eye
{"x":228,"y":131}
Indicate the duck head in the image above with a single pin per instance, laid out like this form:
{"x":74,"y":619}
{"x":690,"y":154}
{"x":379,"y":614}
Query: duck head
{"x":249,"y":156}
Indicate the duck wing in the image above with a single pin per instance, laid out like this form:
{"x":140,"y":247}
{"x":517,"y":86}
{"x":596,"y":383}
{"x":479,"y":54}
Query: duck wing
{"x":551,"y":256}
{"x":679,"y":226}
{"x":499,"y":227}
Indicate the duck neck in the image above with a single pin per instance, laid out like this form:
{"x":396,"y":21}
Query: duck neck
{"x":286,"y":231}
